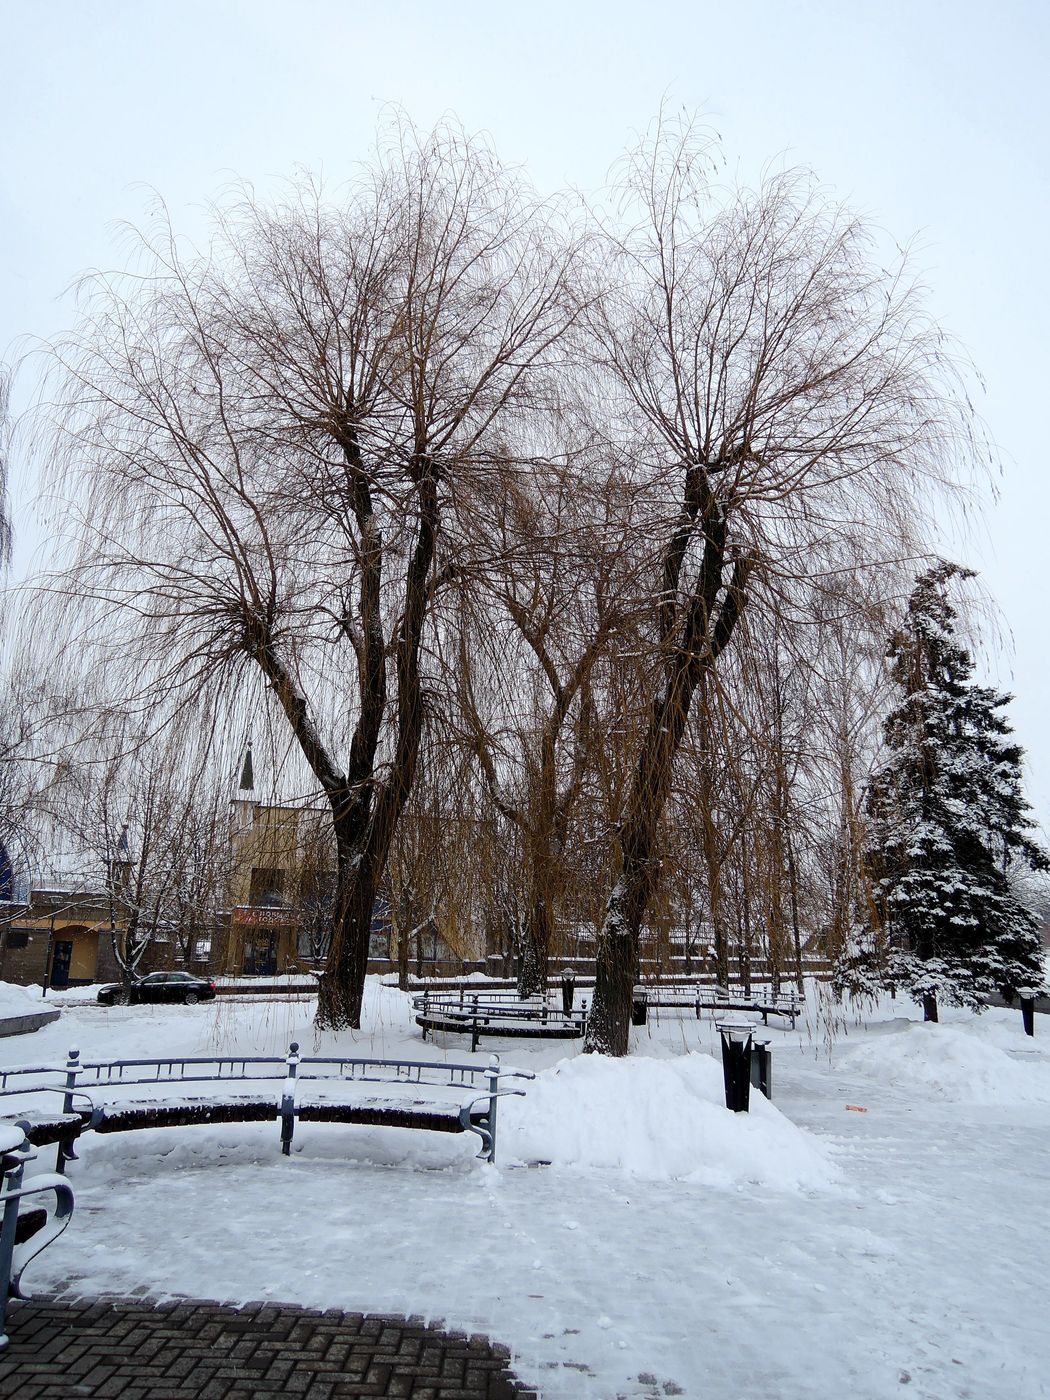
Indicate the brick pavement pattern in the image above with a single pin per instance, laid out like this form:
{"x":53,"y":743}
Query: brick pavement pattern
{"x":141,"y":1349}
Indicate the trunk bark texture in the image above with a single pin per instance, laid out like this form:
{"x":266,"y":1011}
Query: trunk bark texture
{"x":703,"y":626}
{"x":365,"y":811}
{"x":371,"y":823}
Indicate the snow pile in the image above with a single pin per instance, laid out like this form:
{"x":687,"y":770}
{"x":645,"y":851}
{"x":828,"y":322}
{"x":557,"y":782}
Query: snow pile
{"x":658,"y":1119}
{"x":16,"y":1001}
{"x":959,"y":1065}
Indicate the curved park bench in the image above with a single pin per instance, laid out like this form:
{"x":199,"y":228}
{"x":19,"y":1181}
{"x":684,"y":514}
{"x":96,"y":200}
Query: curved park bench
{"x":113,"y":1096}
{"x":760,"y":1001}
{"x":480,"y":1014}
{"x":24,"y":1233}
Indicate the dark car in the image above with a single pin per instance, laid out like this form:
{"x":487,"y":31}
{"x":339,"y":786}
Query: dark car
{"x":159,"y":987}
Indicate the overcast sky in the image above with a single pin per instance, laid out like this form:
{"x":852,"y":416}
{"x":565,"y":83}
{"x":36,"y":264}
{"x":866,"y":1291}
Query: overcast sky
{"x":929,"y":117}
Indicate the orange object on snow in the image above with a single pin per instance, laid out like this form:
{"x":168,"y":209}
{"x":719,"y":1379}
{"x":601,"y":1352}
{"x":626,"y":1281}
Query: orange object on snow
{"x":855,"y":1108}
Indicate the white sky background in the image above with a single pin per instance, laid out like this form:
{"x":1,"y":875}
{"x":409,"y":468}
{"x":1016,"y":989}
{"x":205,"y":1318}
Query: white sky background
{"x":930,"y":117}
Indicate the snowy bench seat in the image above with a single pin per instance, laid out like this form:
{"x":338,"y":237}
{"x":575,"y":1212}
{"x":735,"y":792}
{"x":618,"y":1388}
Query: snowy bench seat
{"x":154,"y":1113}
{"x":48,"y":1128}
{"x":435,"y":1115}
{"x":442,"y":1116}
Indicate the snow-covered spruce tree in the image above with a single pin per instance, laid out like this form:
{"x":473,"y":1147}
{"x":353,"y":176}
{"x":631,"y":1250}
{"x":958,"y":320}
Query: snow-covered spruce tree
{"x":948,"y":825}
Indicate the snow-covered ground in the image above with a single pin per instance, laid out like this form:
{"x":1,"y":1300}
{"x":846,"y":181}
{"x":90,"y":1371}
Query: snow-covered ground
{"x":669,"y":1248}
{"x":18,"y":1001}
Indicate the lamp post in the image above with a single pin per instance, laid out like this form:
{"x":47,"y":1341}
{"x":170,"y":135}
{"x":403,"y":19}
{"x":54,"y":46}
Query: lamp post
{"x":568,"y":990}
{"x":47,"y":959}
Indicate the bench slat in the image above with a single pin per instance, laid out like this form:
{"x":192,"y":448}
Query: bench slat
{"x":120,"y":1118}
{"x":385,"y":1113}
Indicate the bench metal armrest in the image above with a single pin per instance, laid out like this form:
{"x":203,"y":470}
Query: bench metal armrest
{"x":58,"y":1217}
{"x":486,"y":1128}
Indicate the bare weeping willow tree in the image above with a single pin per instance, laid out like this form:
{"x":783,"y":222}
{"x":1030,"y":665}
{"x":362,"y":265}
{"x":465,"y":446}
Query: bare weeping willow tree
{"x":532,"y":635}
{"x":265,"y":448}
{"x":421,"y":454}
{"x":758,"y":784}
{"x":797,"y":411}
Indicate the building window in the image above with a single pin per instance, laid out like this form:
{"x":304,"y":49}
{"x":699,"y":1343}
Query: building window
{"x":267,"y":886}
{"x":379,"y":943}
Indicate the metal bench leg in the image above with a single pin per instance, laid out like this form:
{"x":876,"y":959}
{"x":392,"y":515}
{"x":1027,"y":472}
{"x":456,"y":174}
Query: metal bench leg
{"x":14,"y":1258}
{"x":66,"y":1152}
{"x":486,"y":1127}
{"x":287,"y":1109}
{"x":493,"y":1078}
{"x":10,"y":1181}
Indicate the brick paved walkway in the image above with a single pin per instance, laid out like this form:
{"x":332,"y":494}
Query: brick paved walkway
{"x":136,"y":1349}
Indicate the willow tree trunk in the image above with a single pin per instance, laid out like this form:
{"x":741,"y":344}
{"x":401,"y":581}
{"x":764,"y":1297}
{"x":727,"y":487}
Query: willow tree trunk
{"x":534,"y":967}
{"x":534,"y":970}
{"x":341,"y":989}
{"x":405,"y":911}
{"x":705,"y":630}
{"x":713,"y":861}
{"x":365,"y":824}
{"x":608,"y":1028}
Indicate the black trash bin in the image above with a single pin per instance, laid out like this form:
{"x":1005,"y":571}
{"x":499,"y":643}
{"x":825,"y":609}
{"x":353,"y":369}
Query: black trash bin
{"x":737,"y":1040}
{"x":1027,"y":997}
{"x":762,"y":1066}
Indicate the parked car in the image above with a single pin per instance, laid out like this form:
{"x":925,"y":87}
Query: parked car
{"x":159,"y":987}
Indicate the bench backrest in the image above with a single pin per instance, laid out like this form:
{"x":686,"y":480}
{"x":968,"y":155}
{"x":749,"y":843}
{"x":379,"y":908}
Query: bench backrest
{"x":85,"y":1075}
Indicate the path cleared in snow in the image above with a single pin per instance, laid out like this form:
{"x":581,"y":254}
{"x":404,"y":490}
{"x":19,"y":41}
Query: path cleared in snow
{"x":805,"y":1250}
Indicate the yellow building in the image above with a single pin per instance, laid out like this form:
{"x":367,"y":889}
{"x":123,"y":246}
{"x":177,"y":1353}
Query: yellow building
{"x":281,"y":889}
{"x":281,"y":882}
{"x":61,"y":938}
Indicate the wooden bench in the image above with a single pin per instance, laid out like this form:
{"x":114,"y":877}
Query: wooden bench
{"x":497,"y":1014}
{"x":764,"y":1003}
{"x":437,"y":1096}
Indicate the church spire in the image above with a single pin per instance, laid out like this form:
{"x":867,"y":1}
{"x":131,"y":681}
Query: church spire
{"x":247,"y":773}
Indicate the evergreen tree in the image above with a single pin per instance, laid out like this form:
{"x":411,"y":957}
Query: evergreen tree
{"x":949,"y":825}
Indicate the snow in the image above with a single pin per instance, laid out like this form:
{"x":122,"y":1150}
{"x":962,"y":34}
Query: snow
{"x":801,"y":1250}
{"x":954,"y":1064}
{"x":16,"y":1001}
{"x":679,"y":1128}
